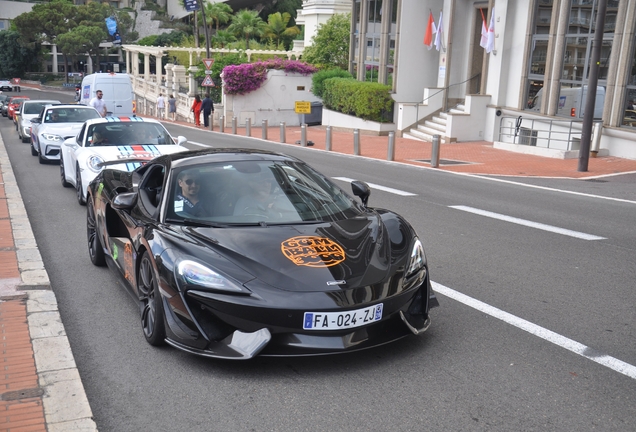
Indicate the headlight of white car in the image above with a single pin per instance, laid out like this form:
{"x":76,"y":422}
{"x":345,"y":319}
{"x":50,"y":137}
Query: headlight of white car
{"x":94,"y":163}
{"x":52,"y":137}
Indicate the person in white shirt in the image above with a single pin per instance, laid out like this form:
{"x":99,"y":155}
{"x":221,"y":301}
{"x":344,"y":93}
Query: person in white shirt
{"x":161,"y":106}
{"x":98,"y":103}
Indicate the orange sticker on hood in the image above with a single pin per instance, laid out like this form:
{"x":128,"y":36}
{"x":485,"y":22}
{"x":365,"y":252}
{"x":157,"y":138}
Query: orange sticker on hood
{"x":312,"y":251}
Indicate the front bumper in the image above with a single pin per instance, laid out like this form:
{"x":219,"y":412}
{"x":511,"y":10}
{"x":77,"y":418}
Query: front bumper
{"x":50,"y":151}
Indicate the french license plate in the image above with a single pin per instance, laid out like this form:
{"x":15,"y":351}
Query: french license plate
{"x":342,"y":320}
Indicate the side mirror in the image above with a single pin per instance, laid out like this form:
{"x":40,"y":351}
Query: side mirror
{"x":181,"y":140}
{"x":361,"y":190}
{"x":37,"y":120}
{"x":124,"y":201}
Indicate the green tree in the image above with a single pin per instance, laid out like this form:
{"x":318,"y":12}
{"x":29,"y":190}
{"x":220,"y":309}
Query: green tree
{"x":330,"y":45}
{"x":218,"y":13}
{"x":81,"y":39}
{"x":15,"y":59}
{"x":247,"y":23}
{"x":222,"y":38}
{"x":277,"y":27}
{"x":46,"y":21}
{"x":282,"y":6}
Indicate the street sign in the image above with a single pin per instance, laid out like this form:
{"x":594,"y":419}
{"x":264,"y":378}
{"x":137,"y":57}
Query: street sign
{"x":208,"y":63}
{"x":207,"y":81}
{"x":303,"y":107}
{"x":191,"y":5}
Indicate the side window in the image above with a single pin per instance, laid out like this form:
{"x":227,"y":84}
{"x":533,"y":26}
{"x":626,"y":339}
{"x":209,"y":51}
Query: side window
{"x":151,"y":188}
{"x":80,"y":135}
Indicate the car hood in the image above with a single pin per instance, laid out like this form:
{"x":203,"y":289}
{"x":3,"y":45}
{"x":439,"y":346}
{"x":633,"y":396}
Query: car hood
{"x":128,"y":152}
{"x":323,"y":257}
{"x":66,"y":130}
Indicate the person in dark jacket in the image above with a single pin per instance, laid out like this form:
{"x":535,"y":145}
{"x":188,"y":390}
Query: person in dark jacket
{"x":208,"y":108}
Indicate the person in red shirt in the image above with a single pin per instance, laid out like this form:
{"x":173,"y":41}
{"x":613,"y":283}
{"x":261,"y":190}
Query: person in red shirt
{"x":196,"y":109}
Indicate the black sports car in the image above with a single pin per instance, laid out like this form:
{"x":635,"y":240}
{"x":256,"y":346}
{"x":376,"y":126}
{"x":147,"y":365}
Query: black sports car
{"x":233,"y":253}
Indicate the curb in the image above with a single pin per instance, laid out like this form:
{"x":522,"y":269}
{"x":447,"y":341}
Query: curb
{"x":64,"y":399}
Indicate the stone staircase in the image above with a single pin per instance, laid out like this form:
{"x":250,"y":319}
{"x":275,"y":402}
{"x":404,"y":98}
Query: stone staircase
{"x":434,"y":125}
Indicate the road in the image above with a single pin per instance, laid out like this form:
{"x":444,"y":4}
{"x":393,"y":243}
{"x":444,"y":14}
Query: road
{"x":535,"y":329}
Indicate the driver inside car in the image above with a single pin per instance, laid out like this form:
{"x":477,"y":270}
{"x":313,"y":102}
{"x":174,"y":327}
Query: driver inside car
{"x":263,"y":198}
{"x":188,"y":201}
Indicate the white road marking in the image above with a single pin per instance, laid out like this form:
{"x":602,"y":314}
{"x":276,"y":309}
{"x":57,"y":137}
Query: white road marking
{"x":382,"y":188}
{"x":528,"y":223}
{"x":548,"y":335}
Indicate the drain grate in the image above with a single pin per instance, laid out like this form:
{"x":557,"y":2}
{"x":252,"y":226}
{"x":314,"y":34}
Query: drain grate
{"x":22,"y":394}
{"x":444,"y":162}
{"x":596,"y":181}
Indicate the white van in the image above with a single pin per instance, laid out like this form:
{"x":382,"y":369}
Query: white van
{"x":572,"y":102}
{"x":117,"y":90}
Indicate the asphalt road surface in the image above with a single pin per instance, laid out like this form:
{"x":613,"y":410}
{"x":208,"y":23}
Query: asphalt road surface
{"x":535,"y":331}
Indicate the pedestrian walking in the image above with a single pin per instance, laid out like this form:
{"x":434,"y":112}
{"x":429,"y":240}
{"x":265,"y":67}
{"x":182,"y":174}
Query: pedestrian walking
{"x":208,"y":108}
{"x":161,"y":106}
{"x":172,"y":107}
{"x":196,"y":109}
{"x":99,"y":104}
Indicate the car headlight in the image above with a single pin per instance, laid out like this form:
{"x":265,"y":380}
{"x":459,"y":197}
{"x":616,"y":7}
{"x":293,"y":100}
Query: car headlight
{"x":52,"y":137}
{"x":197,"y":274}
{"x":94,"y":163}
{"x":417,"y":260}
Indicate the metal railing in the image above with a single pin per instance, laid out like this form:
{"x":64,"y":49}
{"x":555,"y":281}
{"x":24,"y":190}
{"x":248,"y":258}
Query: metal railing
{"x":546,"y":133}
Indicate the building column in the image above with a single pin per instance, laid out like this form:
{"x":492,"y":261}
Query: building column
{"x":192,"y":82}
{"x":385,"y":40}
{"x":170,"y":78}
{"x":362,"y":39}
{"x":54,"y":59}
{"x":147,"y":67}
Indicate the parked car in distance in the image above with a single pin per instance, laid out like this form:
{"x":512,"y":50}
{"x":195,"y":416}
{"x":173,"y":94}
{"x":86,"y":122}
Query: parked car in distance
{"x":120,"y":143}
{"x":54,"y":125}
{"x":14,"y":101}
{"x":5,"y":84}
{"x":3,"y":100}
{"x":29,"y":110}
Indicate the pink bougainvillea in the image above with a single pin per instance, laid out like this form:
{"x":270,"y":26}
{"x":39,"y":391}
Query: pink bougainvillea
{"x":247,"y":77}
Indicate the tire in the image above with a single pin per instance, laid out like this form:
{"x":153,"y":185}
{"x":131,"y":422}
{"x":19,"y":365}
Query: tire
{"x":152,"y":315}
{"x":63,"y":174}
{"x":34,"y":152}
{"x":78,"y":187}
{"x":95,"y":249}
{"x":41,"y":159}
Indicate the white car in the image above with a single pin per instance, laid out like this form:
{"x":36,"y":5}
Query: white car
{"x":54,"y":125}
{"x":121,"y":143}
{"x":28,"y":111}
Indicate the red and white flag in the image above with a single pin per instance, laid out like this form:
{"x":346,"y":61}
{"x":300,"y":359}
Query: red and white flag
{"x":428,"y":36}
{"x":490,"y":45}
{"x":483,"y":42}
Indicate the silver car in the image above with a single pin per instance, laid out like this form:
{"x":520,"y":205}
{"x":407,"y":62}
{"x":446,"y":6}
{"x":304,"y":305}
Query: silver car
{"x":55,"y":124}
{"x":29,"y":110}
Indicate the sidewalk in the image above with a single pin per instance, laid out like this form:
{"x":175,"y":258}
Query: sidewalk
{"x":41,"y":389}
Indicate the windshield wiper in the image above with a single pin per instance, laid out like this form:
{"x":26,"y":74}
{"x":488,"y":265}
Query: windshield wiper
{"x":196,"y":223}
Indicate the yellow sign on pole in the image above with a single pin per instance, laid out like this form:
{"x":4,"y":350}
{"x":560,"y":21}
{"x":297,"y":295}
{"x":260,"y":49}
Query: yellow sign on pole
{"x":303,"y":107}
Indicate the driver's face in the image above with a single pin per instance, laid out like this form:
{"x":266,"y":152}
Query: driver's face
{"x":189,"y":185}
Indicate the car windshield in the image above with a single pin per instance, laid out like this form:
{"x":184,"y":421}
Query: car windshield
{"x":256,"y":193}
{"x":128,"y":133}
{"x":34,"y":107}
{"x":70,"y":115}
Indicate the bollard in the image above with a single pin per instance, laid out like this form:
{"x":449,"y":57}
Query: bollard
{"x":222,"y":124}
{"x":303,"y":135}
{"x":264,"y":129}
{"x":328,"y":139}
{"x":356,"y":142}
{"x":234,"y":122}
{"x":212,"y":121}
{"x":248,"y":127}
{"x":391,"y":153}
{"x":435,"y":152}
{"x":282,"y":132}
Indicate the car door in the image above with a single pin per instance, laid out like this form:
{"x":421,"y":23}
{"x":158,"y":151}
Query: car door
{"x":70,"y":152}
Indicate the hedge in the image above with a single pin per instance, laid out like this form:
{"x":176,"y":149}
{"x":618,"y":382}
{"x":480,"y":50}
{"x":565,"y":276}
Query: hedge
{"x":366,"y":100}
{"x":317,"y":80}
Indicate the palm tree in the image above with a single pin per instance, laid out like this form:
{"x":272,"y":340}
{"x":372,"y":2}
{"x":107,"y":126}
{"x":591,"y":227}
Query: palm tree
{"x":277,"y":27}
{"x":247,"y":23}
{"x":218,"y":13}
{"x":223,"y":38}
